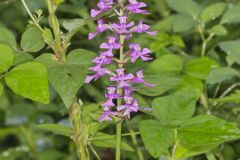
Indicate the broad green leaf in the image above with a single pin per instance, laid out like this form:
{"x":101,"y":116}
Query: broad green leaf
{"x":6,"y":57}
{"x":47,"y":59}
{"x":234,"y":97}
{"x":30,"y":81}
{"x":190,"y":83}
{"x":7,"y":37}
{"x":66,"y":80}
{"x":109,"y":141}
{"x":199,"y":67}
{"x":157,"y":139}
{"x":1,"y":89}
{"x":56,"y":129}
{"x":187,"y":7}
{"x":182,"y":23}
{"x":73,"y":24}
{"x":47,"y":36}
{"x":232,"y":48}
{"x":218,"y":75}
{"x":80,"y":56}
{"x":32,"y":40}
{"x":50,"y":154}
{"x":212,"y":12}
{"x":166,"y":63}
{"x":186,"y":152}
{"x":175,"y":109}
{"x":208,"y":129}
{"x":164,"y":72}
{"x":219,"y":30}
{"x":232,"y":15}
{"x":22,"y":58}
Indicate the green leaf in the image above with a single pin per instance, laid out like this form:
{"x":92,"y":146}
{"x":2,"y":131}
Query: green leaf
{"x":1,"y":89}
{"x":232,"y":48}
{"x":208,"y":129}
{"x":30,"y":81}
{"x":199,"y":67}
{"x":72,"y":76}
{"x":218,"y":75}
{"x":32,"y":40}
{"x":232,"y":15}
{"x":47,"y":36}
{"x":185,"y":152}
{"x":22,"y":58}
{"x":175,"y":109}
{"x":108,"y":141}
{"x":164,"y":72}
{"x":81,"y":56}
{"x":59,"y":1}
{"x":187,"y":7}
{"x":56,"y":129}
{"x":182,"y":23}
{"x":7,"y":37}
{"x":212,"y":12}
{"x":73,"y":24}
{"x":219,"y":30}
{"x":6,"y":57}
{"x":47,"y":59}
{"x":157,"y":139}
{"x":234,"y":97}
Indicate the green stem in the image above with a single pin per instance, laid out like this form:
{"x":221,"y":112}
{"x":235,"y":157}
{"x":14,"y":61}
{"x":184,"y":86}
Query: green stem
{"x":59,"y":50}
{"x":94,"y":152}
{"x":31,"y":15}
{"x":135,"y":142}
{"x":78,"y":130}
{"x":119,"y":91}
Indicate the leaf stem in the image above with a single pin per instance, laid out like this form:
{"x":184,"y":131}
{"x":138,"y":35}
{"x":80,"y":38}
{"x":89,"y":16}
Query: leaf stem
{"x":94,"y":152}
{"x":59,"y":50}
{"x":31,"y":15}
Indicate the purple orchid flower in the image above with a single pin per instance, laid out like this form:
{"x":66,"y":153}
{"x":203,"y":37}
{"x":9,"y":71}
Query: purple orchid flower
{"x":143,"y":28}
{"x":135,"y":7}
{"x":106,"y":116}
{"x":139,"y":79}
{"x":130,"y":106}
{"x":112,"y":43}
{"x":101,"y":27}
{"x":122,"y":78}
{"x":137,"y":52}
{"x":100,"y":73}
{"x":103,"y":5}
{"x":122,"y":27}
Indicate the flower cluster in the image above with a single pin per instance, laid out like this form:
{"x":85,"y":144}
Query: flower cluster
{"x":122,"y":83}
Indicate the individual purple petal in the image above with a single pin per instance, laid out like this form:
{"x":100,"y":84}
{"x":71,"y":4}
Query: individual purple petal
{"x":103,"y":5}
{"x":107,"y":53}
{"x":95,"y":12}
{"x":106,"y":116}
{"x":139,"y":79}
{"x":92,"y":35}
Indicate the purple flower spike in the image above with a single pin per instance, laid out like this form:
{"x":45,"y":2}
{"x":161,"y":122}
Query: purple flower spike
{"x":106,"y":116}
{"x":137,"y":52}
{"x":112,"y":44}
{"x":121,"y":82}
{"x":101,"y":27}
{"x":139,"y":79}
{"x":103,"y":5}
{"x":143,"y":28}
{"x":135,"y":7}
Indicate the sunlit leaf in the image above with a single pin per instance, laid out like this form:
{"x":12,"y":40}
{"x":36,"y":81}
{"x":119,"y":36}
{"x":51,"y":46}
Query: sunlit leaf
{"x":6,"y":57}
